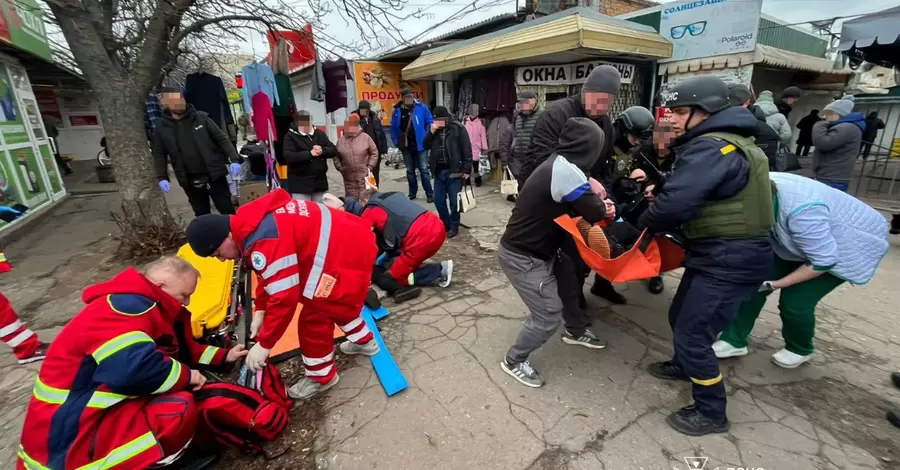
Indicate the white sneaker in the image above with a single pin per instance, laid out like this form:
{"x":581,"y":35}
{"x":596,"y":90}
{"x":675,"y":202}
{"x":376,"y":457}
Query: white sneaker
{"x":308,"y":388}
{"x":446,"y":273}
{"x":725,"y":350}
{"x":369,"y":349}
{"x":788,"y":360}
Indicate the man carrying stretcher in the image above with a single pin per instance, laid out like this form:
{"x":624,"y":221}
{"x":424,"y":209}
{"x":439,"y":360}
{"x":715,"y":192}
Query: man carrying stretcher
{"x":303,"y":253}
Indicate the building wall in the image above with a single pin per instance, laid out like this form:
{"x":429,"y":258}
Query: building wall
{"x":621,"y":7}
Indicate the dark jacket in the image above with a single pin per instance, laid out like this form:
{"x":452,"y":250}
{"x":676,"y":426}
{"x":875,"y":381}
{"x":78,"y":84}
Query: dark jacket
{"x":837,"y":146}
{"x":372,"y":125}
{"x":307,"y":174}
{"x":805,"y":126}
{"x":455,"y":140}
{"x":523,"y":130}
{"x":546,"y":137}
{"x":766,"y":138}
{"x":873,"y":124}
{"x":784,"y":108}
{"x":505,"y":142}
{"x":701,"y":173}
{"x":214,"y":146}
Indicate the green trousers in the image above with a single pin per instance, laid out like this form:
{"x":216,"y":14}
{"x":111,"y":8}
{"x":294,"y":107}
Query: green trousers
{"x":797,"y":306}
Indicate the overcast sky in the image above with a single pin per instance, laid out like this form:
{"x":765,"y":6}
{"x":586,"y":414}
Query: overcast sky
{"x":791,"y":11}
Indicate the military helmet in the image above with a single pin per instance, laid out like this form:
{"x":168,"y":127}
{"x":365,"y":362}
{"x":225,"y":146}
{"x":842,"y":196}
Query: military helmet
{"x":707,"y":93}
{"x":636,"y":120}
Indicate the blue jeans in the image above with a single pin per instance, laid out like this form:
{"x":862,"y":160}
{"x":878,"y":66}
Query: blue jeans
{"x":446,"y":187}
{"x":839,"y":185}
{"x":413,"y":159}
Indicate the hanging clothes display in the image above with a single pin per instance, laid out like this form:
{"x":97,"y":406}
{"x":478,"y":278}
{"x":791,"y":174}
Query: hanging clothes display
{"x":465,"y":98}
{"x":317,"y":92}
{"x":259,"y":78}
{"x":284,"y":113}
{"x":336,"y":74}
{"x":263,"y":119}
{"x":206,"y":92}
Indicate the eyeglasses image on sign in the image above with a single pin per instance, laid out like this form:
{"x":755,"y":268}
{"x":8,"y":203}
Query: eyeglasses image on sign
{"x":695,"y":29}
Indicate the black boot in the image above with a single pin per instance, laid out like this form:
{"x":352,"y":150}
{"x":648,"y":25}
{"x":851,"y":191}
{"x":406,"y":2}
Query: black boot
{"x":511,"y":198}
{"x":668,"y":370}
{"x":478,"y":181}
{"x":655,"y":285}
{"x":895,"y":378}
{"x":895,"y":224}
{"x":390,"y":285}
{"x":894,"y":417}
{"x":604,"y":289}
{"x":689,"y":420}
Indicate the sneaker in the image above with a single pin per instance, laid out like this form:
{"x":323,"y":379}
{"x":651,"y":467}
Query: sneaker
{"x":39,"y":354}
{"x":429,"y":199}
{"x":411,"y":196}
{"x":690,"y":421}
{"x":655,"y":285}
{"x":308,"y":388}
{"x":895,"y":378}
{"x":523,"y":372}
{"x":788,"y":360}
{"x":606,"y":291}
{"x":587,"y":339}
{"x":406,"y":293}
{"x":894,"y":417}
{"x":668,"y":370}
{"x":446,"y":273}
{"x":369,"y":349}
{"x":725,"y":350}
{"x":452,"y":233}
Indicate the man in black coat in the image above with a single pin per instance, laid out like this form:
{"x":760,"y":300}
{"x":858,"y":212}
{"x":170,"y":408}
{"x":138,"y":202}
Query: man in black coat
{"x":594,"y":102}
{"x":305,"y":151}
{"x":873,"y":125}
{"x":804,"y":138}
{"x":450,"y":154}
{"x":199,"y":153}
{"x":766,"y":137}
{"x":371,"y":124}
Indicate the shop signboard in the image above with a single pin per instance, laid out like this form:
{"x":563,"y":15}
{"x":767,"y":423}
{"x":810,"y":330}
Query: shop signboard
{"x":23,"y":27}
{"x":706,"y":28}
{"x":737,"y":75}
{"x":12,"y":123}
{"x":379,"y":83}
{"x":567,"y":74}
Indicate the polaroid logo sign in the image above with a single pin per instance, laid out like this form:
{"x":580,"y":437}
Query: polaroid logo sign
{"x":742,"y":37}
{"x":568,"y":74}
{"x":691,"y":6}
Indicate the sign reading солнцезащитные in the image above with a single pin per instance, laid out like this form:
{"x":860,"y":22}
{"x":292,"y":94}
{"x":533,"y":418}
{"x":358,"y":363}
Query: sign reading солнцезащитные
{"x":706,"y":28}
{"x":567,"y":74}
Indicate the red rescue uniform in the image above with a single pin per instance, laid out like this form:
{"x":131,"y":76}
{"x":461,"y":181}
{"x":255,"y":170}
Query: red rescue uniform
{"x":16,"y":335}
{"x":112,"y":392}
{"x":424,"y":239}
{"x":305,"y":253}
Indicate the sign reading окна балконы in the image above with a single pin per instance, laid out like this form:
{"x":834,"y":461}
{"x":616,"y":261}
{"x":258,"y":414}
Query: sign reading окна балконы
{"x":567,"y":74}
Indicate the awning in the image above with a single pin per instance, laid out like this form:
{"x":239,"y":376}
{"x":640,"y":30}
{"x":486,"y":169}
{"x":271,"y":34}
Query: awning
{"x":876,"y":36}
{"x":763,"y":54}
{"x":565,"y":37}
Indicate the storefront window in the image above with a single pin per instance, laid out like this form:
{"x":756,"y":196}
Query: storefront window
{"x":12,"y":124}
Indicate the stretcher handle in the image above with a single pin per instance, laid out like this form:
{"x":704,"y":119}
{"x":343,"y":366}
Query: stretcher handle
{"x":248,"y":305}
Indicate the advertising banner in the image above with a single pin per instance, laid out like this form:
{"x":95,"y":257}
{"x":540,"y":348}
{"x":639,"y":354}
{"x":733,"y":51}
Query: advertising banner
{"x":706,"y":28}
{"x":24,"y":27}
{"x":737,"y":75}
{"x":12,"y":123}
{"x":26,"y":166}
{"x":379,"y":83}
{"x":52,"y":171}
{"x":567,"y":74}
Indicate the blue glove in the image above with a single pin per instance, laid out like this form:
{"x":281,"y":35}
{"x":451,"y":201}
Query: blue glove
{"x":164,"y":185}
{"x":383,"y":258}
{"x":235,"y":169}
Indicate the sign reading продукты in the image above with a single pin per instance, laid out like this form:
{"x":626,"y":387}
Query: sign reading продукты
{"x":707,"y":28}
{"x":567,"y":74}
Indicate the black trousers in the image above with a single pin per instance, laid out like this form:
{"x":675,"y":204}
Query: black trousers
{"x":377,"y":170}
{"x":802,"y":150}
{"x":282,"y":126}
{"x":701,"y":309}
{"x":217,"y":190}
{"x":865,"y":148}
{"x":569,"y":270}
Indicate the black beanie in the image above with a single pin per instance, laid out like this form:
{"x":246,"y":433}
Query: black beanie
{"x":440,"y":112}
{"x":207,"y":232}
{"x":406,"y":92}
{"x":604,"y":78}
{"x":580,"y":142}
{"x":738,"y":94}
{"x":365,"y":105}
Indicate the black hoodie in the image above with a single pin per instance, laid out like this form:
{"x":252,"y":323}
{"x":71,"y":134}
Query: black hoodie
{"x":211,"y":148}
{"x":557,"y":186}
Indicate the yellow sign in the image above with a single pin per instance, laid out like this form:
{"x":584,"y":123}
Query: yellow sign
{"x":234,"y":96}
{"x":379,"y":83}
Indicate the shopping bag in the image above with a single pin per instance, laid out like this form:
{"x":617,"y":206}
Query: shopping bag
{"x":785,"y":160}
{"x":509,"y":186}
{"x":466,"y":199}
{"x":370,"y":181}
{"x":484,"y":166}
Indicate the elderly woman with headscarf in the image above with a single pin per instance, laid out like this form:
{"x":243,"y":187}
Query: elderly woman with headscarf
{"x":822,"y":238}
{"x":357,"y":156}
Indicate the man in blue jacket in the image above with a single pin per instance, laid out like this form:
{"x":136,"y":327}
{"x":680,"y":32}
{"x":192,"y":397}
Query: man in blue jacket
{"x":720,"y":195}
{"x":410,"y":124}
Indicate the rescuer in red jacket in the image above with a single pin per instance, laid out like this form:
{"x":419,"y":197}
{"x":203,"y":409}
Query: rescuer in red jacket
{"x":25,"y":343}
{"x":302,"y":253}
{"x":406,"y":231}
{"x":115,"y":389}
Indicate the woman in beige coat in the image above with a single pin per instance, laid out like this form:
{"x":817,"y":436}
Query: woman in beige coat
{"x":357,"y":155}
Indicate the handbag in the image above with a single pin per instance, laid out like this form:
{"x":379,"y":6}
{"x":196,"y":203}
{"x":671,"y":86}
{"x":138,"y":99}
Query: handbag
{"x":402,"y":144}
{"x":466,"y":199}
{"x":484,"y":166}
{"x":509,"y":186}
{"x":785,"y":160}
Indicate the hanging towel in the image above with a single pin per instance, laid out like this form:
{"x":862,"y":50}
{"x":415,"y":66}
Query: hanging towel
{"x":318,"y":83}
{"x":259,"y":78}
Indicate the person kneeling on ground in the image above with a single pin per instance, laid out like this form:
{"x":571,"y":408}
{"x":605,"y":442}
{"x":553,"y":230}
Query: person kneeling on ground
{"x":822,"y":237}
{"x":108,"y":394}
{"x":305,"y":252}
{"x":530,"y":246}
{"x":721,"y":197}
{"x":405,"y":230}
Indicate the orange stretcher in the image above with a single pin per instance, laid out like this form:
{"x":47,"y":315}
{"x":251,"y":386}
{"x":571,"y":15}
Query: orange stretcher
{"x":642,"y":261}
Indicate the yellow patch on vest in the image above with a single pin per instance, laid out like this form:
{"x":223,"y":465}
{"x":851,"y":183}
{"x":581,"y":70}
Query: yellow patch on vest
{"x":727,"y":149}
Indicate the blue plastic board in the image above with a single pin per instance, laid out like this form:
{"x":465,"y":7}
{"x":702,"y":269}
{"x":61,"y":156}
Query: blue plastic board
{"x":378,"y":314}
{"x":389,"y":374}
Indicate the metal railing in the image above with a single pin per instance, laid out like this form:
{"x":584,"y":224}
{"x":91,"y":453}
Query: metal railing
{"x":889,"y":158}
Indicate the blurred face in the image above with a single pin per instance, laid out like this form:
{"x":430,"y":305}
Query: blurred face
{"x":527,"y":106}
{"x":228,"y":250}
{"x":596,"y":103}
{"x":790,"y":100}
{"x":683,"y":120}
{"x":832,"y":117}
{"x":662,"y":138}
{"x":408,"y":100}
{"x":633,"y":140}
{"x":174,"y":102}
{"x":304,"y":124}
{"x":351,"y":127}
{"x":363,"y":112}
{"x":181,"y":287}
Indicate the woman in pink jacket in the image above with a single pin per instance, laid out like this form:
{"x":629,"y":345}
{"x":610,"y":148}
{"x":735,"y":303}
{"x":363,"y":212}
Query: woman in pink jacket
{"x":478,"y":137}
{"x":357,"y":155}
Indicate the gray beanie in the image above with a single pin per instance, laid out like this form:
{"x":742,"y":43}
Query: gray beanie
{"x":840,"y":107}
{"x":605,"y":79}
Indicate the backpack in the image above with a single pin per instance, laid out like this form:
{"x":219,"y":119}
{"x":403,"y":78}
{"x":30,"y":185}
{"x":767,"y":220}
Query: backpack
{"x":242,"y":417}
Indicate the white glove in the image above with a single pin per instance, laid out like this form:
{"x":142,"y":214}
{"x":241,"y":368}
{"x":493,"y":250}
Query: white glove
{"x":256,"y":323}
{"x":256,"y":359}
{"x":767,"y":286}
